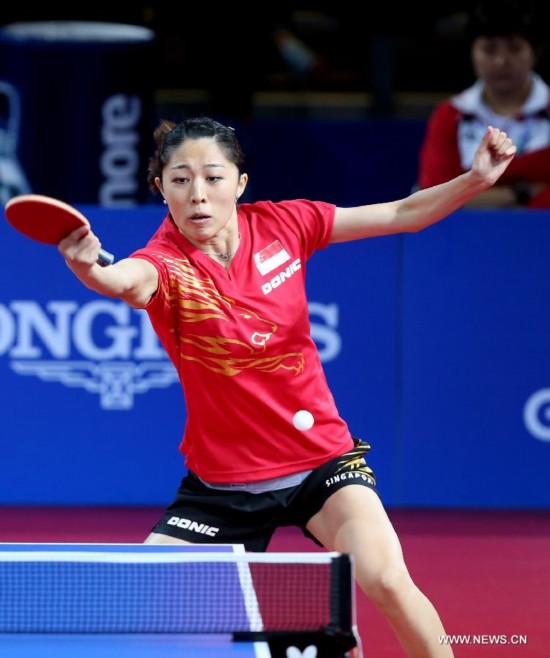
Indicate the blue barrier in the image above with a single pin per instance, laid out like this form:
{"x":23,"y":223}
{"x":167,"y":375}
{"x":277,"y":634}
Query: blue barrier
{"x":434,"y":344}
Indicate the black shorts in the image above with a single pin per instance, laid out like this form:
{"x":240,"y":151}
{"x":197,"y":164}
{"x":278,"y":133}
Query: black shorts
{"x":200,"y":514}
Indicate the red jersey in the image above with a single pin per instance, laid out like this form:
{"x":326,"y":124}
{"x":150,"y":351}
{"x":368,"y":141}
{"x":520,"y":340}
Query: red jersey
{"x":240,"y":341}
{"x":457,"y":125}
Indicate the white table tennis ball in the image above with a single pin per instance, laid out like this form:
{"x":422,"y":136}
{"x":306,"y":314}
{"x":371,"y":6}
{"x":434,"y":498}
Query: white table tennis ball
{"x":303,"y":420}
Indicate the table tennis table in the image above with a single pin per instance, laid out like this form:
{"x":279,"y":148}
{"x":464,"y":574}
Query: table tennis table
{"x":128,"y":646}
{"x":20,"y":639}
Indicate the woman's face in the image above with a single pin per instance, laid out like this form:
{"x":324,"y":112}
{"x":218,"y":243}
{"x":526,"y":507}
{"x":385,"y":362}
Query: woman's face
{"x":201,"y":186}
{"x":504,"y":63}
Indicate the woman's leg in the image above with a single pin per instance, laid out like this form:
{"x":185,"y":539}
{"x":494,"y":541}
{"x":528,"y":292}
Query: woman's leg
{"x":354,"y":521}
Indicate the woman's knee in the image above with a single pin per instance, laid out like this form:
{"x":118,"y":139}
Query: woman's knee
{"x":388,"y":587}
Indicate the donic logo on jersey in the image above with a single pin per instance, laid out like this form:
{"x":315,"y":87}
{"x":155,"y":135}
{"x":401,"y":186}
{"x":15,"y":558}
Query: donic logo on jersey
{"x":269,"y":259}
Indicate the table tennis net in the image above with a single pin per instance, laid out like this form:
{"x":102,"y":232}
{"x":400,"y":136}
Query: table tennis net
{"x":87,"y":592}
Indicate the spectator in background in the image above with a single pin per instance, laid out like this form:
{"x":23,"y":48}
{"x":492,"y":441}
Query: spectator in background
{"x":509,"y":94}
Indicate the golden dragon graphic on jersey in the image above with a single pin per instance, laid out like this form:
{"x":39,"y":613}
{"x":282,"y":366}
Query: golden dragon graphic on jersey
{"x":199,"y":300}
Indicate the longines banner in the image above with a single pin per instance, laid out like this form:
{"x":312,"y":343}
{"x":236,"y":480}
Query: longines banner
{"x":435,"y":345}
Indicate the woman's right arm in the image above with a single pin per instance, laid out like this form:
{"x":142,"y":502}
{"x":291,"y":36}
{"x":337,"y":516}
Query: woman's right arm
{"x":133,"y":280}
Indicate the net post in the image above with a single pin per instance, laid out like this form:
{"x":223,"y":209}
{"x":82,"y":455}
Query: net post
{"x":342,"y":593}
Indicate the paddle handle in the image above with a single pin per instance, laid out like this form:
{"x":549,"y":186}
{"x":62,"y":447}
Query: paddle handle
{"x":105,"y":258}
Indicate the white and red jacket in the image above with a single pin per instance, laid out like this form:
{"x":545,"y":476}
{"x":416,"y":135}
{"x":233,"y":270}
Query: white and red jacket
{"x":457,"y":125}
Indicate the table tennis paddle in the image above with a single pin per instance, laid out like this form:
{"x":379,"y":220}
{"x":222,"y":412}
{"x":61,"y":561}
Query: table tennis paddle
{"x":48,"y":220}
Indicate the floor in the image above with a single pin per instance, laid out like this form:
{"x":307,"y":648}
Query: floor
{"x":487,"y":572}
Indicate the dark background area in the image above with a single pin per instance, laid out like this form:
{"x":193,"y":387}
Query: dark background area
{"x":379,"y":61}
{"x":355,"y":94}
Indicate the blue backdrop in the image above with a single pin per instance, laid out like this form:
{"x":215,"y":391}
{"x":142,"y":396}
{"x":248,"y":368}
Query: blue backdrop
{"x":434,"y":344}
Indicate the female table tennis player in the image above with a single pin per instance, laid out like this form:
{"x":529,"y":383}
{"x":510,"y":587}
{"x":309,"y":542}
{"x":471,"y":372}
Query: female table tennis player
{"x":224,"y":286}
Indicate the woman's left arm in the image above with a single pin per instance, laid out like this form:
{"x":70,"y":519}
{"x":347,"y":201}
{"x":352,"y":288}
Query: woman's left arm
{"x":428,"y":206}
